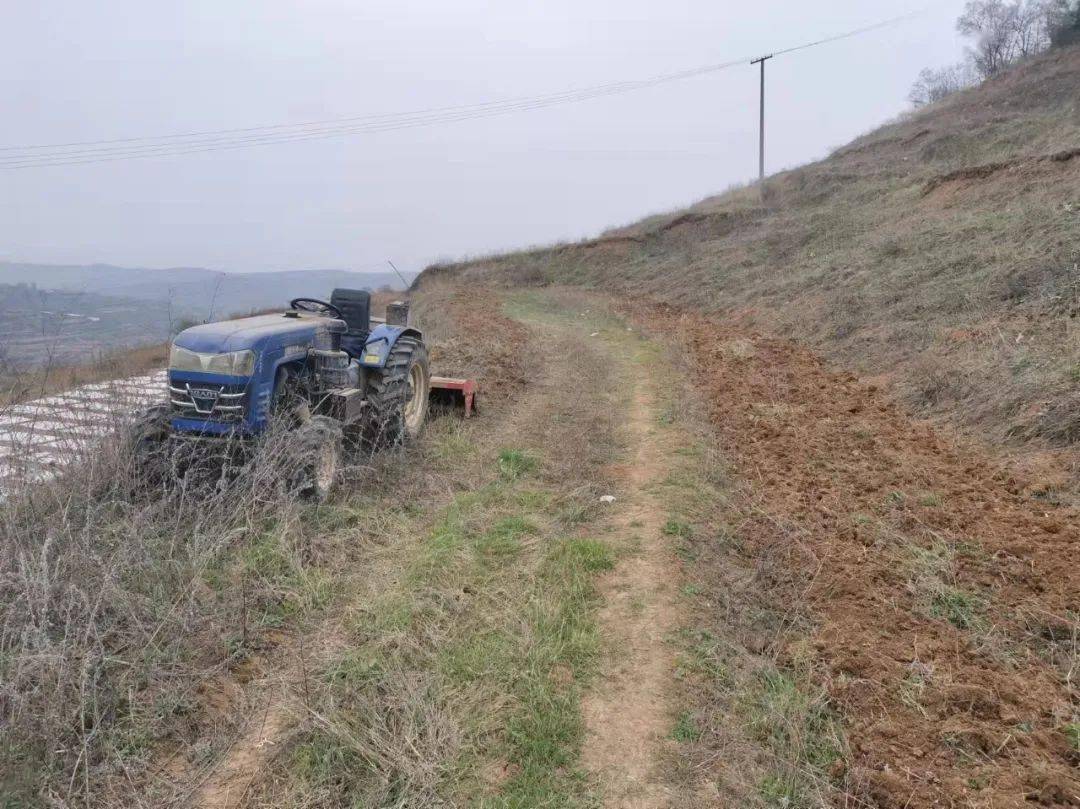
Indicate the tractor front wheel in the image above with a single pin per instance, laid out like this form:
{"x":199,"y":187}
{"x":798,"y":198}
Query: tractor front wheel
{"x":145,"y":444}
{"x":319,"y":458}
{"x":398,"y":395}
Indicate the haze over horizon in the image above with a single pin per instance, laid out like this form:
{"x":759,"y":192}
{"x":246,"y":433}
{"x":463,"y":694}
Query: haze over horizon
{"x":419,"y":195}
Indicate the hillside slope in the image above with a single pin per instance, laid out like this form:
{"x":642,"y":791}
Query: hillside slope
{"x":193,"y":291}
{"x":941,"y":252}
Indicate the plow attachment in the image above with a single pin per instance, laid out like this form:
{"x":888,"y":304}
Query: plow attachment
{"x":455,"y":394}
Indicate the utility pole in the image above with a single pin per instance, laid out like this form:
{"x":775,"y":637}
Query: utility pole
{"x":761,"y":148}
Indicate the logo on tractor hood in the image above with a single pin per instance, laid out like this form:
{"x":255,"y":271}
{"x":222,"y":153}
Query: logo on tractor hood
{"x":204,"y":398}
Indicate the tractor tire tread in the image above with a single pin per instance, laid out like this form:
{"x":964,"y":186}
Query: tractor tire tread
{"x":388,"y":388}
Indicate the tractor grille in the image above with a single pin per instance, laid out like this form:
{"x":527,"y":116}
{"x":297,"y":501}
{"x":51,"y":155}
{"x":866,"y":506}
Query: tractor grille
{"x":199,"y":400}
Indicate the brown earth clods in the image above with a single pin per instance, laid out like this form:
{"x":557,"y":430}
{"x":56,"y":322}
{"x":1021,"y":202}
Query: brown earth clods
{"x":852,"y":498}
{"x":469,"y":335}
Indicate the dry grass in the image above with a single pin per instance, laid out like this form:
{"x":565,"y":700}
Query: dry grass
{"x":131,"y":615}
{"x":939,"y":252}
{"x":121,"y":598}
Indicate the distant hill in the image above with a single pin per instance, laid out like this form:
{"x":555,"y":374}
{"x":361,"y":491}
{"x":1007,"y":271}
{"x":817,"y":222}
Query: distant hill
{"x":939,"y":253}
{"x":57,"y":328}
{"x":70,"y":315}
{"x":193,"y":292}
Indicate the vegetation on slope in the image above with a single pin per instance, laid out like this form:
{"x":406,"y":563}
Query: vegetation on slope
{"x":940,"y":252}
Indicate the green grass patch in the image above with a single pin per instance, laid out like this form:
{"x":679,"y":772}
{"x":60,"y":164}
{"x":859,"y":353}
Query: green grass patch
{"x":516,"y":463}
{"x":592,"y":555}
{"x":504,"y":538}
{"x":794,"y":721}
{"x":1072,"y":733}
{"x":686,"y":728}
{"x":546,"y":728}
{"x":959,"y":607}
{"x":323,"y":762}
{"x":677,"y":528}
{"x":483,"y":654}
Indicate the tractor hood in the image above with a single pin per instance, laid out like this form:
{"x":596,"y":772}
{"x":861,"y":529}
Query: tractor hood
{"x":254,"y":332}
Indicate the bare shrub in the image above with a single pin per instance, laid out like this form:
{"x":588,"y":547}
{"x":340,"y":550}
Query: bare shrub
{"x":935,"y":84}
{"x":1004,"y":32}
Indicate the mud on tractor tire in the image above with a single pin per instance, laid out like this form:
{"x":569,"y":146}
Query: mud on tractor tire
{"x":398,"y":396}
{"x":317,"y":450}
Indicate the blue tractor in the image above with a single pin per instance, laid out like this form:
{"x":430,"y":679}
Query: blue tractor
{"x":324,"y":371}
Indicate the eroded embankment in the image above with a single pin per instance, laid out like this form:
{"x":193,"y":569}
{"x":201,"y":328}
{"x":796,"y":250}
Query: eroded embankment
{"x":901,"y":571}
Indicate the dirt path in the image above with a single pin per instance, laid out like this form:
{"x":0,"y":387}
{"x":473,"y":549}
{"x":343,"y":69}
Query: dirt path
{"x":273,"y":711}
{"x":628,"y":714}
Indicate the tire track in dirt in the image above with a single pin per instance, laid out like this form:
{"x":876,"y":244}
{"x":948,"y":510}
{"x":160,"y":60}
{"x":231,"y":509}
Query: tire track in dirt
{"x":628,"y":713}
{"x":938,"y":597}
{"x":228,"y":782}
{"x":274,"y":705}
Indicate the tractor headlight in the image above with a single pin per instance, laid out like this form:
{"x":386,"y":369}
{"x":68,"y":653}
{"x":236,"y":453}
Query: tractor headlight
{"x":234,"y":363}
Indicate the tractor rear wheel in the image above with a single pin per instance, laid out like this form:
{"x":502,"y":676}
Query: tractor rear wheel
{"x":398,"y":395}
{"x":318,"y":445}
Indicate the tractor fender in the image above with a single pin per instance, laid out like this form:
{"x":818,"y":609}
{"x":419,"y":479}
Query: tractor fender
{"x":264,"y":385}
{"x":381,"y":340}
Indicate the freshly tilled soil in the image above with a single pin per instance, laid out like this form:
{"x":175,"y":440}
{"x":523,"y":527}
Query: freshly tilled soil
{"x":943,"y":600}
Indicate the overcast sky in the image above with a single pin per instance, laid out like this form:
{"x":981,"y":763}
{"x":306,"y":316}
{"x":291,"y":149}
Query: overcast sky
{"x":72,"y":71}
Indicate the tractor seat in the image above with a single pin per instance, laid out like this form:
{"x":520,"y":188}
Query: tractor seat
{"x":355,"y":308}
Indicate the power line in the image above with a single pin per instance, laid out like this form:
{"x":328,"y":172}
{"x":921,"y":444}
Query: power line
{"x":84,"y":152}
{"x":877,"y":26}
{"x":490,"y":109}
{"x":300,"y":125}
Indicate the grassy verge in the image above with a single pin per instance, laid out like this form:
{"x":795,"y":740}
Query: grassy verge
{"x":476,"y":659}
{"x":472,"y":634}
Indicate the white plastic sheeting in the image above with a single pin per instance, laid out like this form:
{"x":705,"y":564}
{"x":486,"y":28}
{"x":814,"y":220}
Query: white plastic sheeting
{"x":40,"y":436}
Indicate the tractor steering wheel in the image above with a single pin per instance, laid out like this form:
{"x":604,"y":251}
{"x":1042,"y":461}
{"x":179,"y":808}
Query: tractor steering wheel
{"x":316,"y":307}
